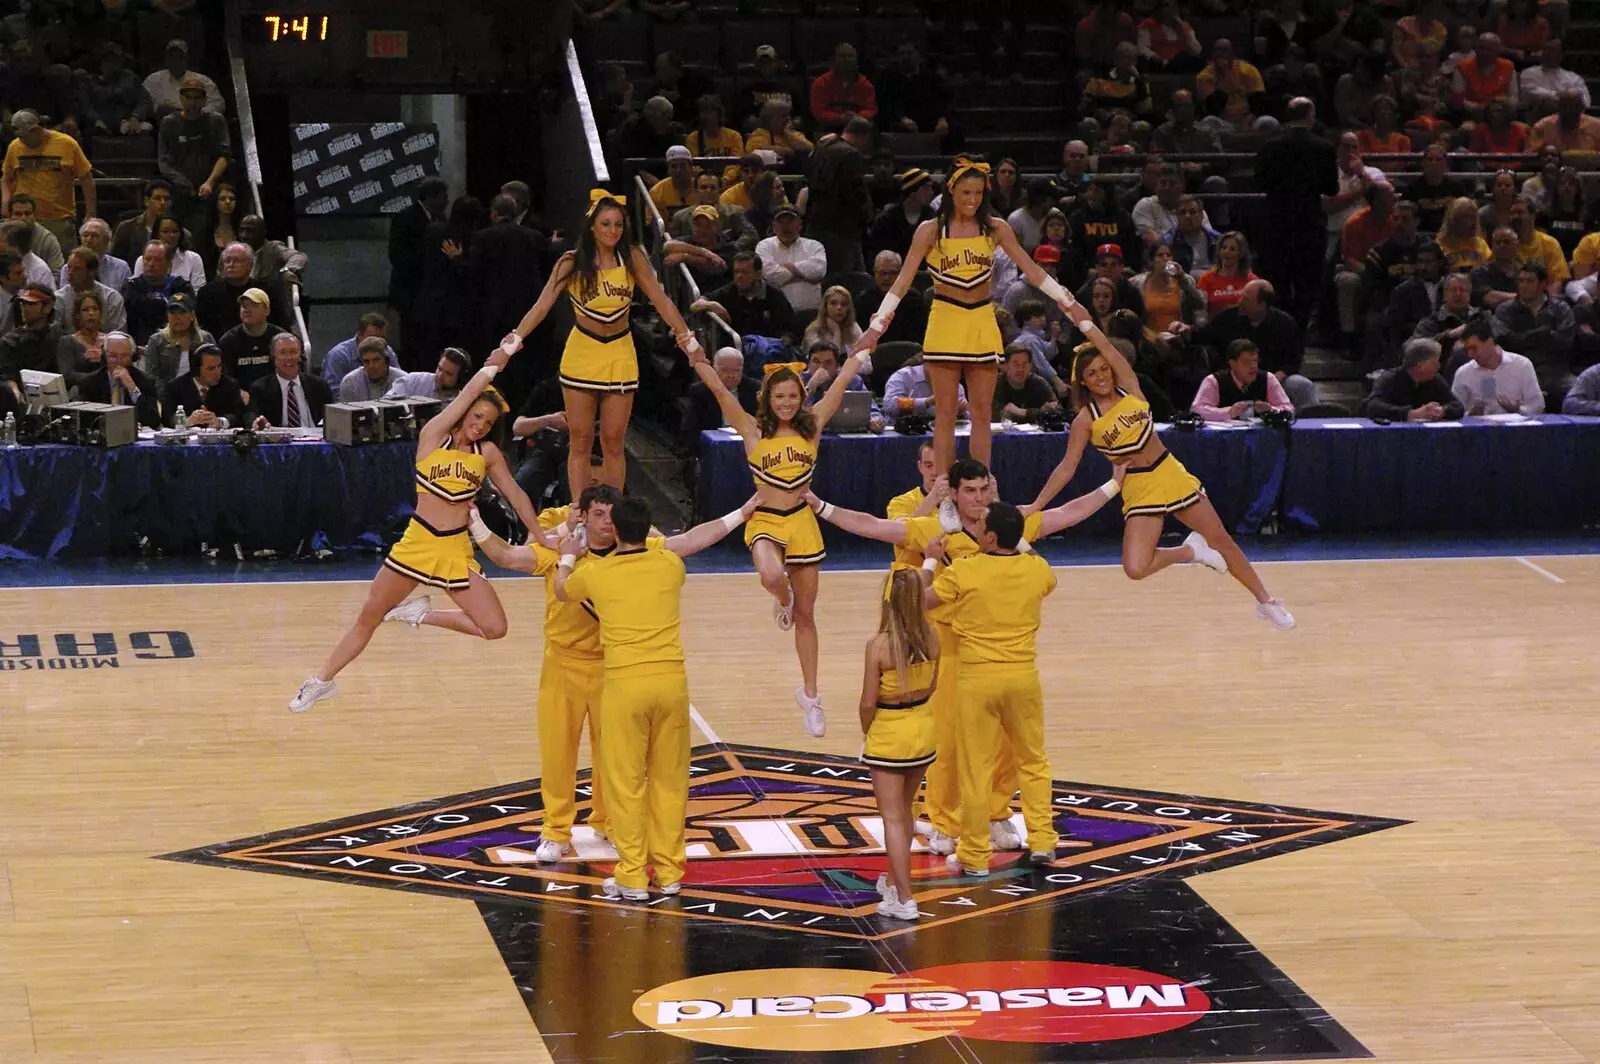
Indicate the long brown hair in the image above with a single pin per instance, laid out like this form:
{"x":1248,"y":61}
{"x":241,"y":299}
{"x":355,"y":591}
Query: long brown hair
{"x":1084,"y":354}
{"x":947,"y":204}
{"x":804,"y":421}
{"x":904,"y":622}
{"x":586,"y":257}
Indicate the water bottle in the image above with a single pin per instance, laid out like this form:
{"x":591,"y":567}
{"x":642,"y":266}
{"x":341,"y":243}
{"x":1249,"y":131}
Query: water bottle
{"x":8,"y":432}
{"x":180,"y":420}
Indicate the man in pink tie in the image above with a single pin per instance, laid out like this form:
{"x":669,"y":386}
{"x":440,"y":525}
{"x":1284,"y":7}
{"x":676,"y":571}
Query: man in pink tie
{"x":289,"y":398}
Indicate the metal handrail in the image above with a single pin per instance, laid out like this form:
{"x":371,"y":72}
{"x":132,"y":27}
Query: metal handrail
{"x":680,"y":284}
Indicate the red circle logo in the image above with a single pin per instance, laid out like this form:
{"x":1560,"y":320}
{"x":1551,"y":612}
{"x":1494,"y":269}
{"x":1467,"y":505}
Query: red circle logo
{"x":1060,"y":1001}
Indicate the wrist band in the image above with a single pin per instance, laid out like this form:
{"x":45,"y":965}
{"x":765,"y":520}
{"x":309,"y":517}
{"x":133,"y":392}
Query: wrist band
{"x":930,"y":564}
{"x":733,"y":519}
{"x":488,"y":373}
{"x":1051,"y":288}
{"x":692,"y":346}
{"x":478,"y":530}
{"x":825,"y":511}
{"x":1110,"y":488}
{"x":567,"y":561}
{"x":1088,"y":328}
{"x":880,"y":320}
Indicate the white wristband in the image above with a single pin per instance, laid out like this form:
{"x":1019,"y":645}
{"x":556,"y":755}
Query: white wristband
{"x":881,"y":320}
{"x":488,"y":373}
{"x":567,"y":561}
{"x":478,"y":530}
{"x":825,"y":511}
{"x":930,"y":564}
{"x":732,"y":519}
{"x":1088,"y":328}
{"x":1110,"y":488}
{"x":1051,"y":289}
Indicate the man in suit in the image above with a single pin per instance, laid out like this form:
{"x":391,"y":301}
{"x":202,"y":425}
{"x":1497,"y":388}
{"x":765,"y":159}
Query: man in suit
{"x":121,"y":383}
{"x":209,"y":398}
{"x":407,"y":253}
{"x":505,"y":263}
{"x":703,"y":413}
{"x":1299,"y":172}
{"x":288,"y":398}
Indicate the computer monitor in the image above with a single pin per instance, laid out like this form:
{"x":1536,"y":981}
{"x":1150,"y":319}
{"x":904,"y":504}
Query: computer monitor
{"x":43,"y":389}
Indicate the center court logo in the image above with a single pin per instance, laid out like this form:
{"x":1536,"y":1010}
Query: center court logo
{"x":830,"y":1009}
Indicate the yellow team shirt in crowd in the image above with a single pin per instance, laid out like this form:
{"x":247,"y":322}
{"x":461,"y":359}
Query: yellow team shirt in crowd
{"x":1546,"y":250}
{"x":48,"y":173}
{"x":636,"y":594}
{"x":1586,"y":256}
{"x":995,"y":600}
{"x":667,"y":198}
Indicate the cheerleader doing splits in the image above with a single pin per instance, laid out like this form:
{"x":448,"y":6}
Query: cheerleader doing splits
{"x":1114,"y":417}
{"x":599,"y":368}
{"x":785,"y":541}
{"x":453,"y":460}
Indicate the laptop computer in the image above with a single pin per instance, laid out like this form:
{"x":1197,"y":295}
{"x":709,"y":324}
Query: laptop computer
{"x":854,"y":414}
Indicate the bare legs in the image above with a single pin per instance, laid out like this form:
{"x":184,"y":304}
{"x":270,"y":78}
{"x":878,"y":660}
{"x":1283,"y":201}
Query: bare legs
{"x":896,"y":790}
{"x":480,"y":614}
{"x":388,"y":590}
{"x":1202,"y":517}
{"x":803,"y":578}
{"x":1141,"y":557}
{"x":615,"y":412}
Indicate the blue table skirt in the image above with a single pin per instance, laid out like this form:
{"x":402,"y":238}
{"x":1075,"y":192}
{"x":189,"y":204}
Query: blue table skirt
{"x":74,"y":502}
{"x":1242,"y":470}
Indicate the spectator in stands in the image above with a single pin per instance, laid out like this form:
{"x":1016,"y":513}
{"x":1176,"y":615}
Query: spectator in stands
{"x":83,"y":276}
{"x":1416,"y":297}
{"x":711,"y":137}
{"x":650,"y":133}
{"x":192,"y":152}
{"x":95,"y":235}
{"x":1483,"y":76}
{"x":113,"y":96}
{"x":1157,"y":215}
{"x":1541,"y":327}
{"x":1425,"y":26}
{"x":163,"y":90}
{"x":1027,"y":221}
{"x":1569,"y":129}
{"x":209,"y":398}
{"x":769,"y":81}
{"x":1355,"y":91}
{"x":1289,"y":79}
{"x":1498,"y":133}
{"x":741,"y":194}
{"x":1535,"y":245}
{"x":286,"y":397}
{"x":766,"y":196}
{"x":1426,"y":93}
{"x":275,"y":261}
{"x":35,"y":342}
{"x":908,"y":391}
{"x":1584,"y":399}
{"x":1567,"y":216}
{"x":13,"y":277}
{"x":1167,"y":43}
{"x":217,"y":304}
{"x":1541,"y":86}
{"x":1275,"y":334}
{"x":792,"y":263}
{"x":181,"y":262}
{"x":841,"y":93}
{"x":822,"y":366}
{"x":446,"y":301}
{"x":247,"y":349}
{"x":1460,"y":237}
{"x":1224,"y":283}
{"x":222,"y":228}
{"x":344,"y":356}
{"x":1019,"y":291}
{"x":1109,"y":266}
{"x":1229,"y":85}
{"x":1346,"y":35}
{"x":1392,"y":260}
{"x":1355,"y":178}
{"x":701,"y":413}
{"x":614,"y":103}
{"x":170,"y":350}
{"x":442,"y":382}
{"x":1172,"y":303}
{"x":672,"y":192}
{"x":840,"y":207}
{"x":1435,"y":191}
{"x":735,"y":225}
{"x":45,"y":245}
{"x":1192,"y":240}
{"x":1502,"y":194}
{"x":1449,"y":323}
{"x":1180,"y":135}
{"x":133,"y":233}
{"x":121,"y":383}
{"x":46,"y":165}
{"x":81,"y":351}
{"x":914,"y":97}
{"x":1299,"y":172}
{"x":1122,"y":88}
{"x":1098,"y":221}
{"x":910,"y":319}
{"x":1523,"y":32}
{"x":1041,"y":337}
{"x":748,"y":304}
{"x":1363,"y":232}
{"x":18,"y":237}
{"x":1494,"y":381}
{"x":1415,"y":391}
{"x":407,"y":252}
{"x":1384,"y":136}
{"x":835,"y":322}
{"x":883,"y":181}
{"x":505,"y":269}
{"x":373,"y":378}
{"x":1074,"y":178}
{"x":1020,"y":393}
{"x":1275,"y":28}
{"x":1100,"y":31}
{"x":1240,"y":390}
{"x":706,"y":252}
{"x":897,"y":223}
{"x":146,"y":295}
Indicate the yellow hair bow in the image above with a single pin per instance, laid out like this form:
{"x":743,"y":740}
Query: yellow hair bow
{"x":598,"y":196}
{"x":494,"y":396}
{"x":772,"y":367}
{"x":964,"y":166}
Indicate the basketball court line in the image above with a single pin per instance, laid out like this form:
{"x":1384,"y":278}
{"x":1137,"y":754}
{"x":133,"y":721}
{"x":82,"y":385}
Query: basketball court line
{"x":1541,"y":570}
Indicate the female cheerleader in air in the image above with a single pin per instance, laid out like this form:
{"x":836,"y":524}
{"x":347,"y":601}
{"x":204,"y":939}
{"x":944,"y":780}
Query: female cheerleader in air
{"x":1114,"y":417}
{"x":599,"y":369}
{"x":453,"y":460}
{"x":785,"y":541}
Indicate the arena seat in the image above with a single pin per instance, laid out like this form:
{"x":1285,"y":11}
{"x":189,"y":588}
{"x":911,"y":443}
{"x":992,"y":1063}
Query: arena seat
{"x":741,"y":38}
{"x":696,"y":43}
{"x":888,"y":358}
{"x":816,"y":38}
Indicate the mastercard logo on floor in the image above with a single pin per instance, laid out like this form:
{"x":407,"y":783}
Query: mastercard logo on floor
{"x":821,"y":1009}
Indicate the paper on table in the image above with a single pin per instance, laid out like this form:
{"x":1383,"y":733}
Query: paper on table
{"x":1510,"y":418}
{"x":1228,"y":426}
{"x":1345,"y":424}
{"x":1440,"y":424}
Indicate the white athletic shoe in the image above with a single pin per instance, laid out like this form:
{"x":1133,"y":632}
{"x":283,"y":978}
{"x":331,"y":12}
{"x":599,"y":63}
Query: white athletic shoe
{"x":600,"y":833}
{"x":672,"y":888}
{"x":885,"y":891}
{"x":1272,"y":610}
{"x":613,"y":889}
{"x":1003,"y":835}
{"x":1040,"y":859}
{"x":411,"y":611}
{"x":783,"y":612}
{"x":895,"y":909}
{"x":940,"y":843}
{"x":953,"y":863}
{"x":550,"y":851}
{"x":1204,"y":553}
{"x":311,"y":692}
{"x":949,"y":516}
{"x":816,"y":723}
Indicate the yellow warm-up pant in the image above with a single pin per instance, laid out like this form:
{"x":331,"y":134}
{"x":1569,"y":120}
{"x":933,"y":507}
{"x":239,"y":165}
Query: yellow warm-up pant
{"x":569,"y":693}
{"x":941,"y":801}
{"x":644,"y":767}
{"x":1002,"y":702}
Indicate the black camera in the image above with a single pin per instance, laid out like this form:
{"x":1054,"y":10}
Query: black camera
{"x":1278,"y":419}
{"x":1187,"y":421}
{"x":1054,"y":420}
{"x":913,"y":424}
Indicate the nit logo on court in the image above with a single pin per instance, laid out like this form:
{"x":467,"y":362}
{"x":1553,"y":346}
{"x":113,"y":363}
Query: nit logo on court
{"x":776,"y":932}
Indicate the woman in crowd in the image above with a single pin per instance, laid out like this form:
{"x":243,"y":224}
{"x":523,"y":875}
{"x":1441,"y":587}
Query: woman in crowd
{"x":1008,"y":193}
{"x":835,"y":322}
{"x":1502,"y":194}
{"x":223,"y":230}
{"x":1384,"y":138}
{"x":166,"y":354}
{"x":1569,"y":216}
{"x":81,"y":352}
{"x":1223,"y":284}
{"x":1461,"y":238}
{"x":1499,"y":133}
{"x":181,"y":262}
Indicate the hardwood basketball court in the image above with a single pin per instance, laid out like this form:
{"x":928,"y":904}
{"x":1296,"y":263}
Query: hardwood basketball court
{"x":1455,"y":694}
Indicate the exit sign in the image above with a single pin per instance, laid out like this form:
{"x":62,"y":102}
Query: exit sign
{"x":388,"y":44}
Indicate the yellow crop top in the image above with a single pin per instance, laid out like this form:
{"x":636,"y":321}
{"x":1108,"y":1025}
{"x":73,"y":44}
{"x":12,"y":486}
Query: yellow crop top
{"x":612,"y":299}
{"x":783,"y":462}
{"x":1124,"y":428}
{"x":962,"y":262}
{"x":452,"y":475}
{"x":892,"y":693}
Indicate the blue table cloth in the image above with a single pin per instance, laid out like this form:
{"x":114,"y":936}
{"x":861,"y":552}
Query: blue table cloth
{"x":75,"y":502}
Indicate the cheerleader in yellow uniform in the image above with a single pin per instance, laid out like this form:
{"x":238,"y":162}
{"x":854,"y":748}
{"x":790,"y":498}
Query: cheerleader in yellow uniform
{"x":1114,"y":417}
{"x":897,"y":719}
{"x":780,"y":443}
{"x":962,"y":339}
{"x":453,"y":460}
{"x":599,"y":368}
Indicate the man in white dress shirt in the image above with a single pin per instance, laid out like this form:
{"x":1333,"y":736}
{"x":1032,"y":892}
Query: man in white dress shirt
{"x":1496,"y":381}
{"x":1542,"y":85}
{"x":442,"y":383}
{"x":793,"y":264}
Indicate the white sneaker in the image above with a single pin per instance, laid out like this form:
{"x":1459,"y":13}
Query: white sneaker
{"x":311,"y":692}
{"x":550,"y":851}
{"x":892,"y":907}
{"x":1204,"y":553}
{"x":672,"y":888}
{"x":885,"y":891}
{"x":1003,"y":835}
{"x":1040,"y":859}
{"x":1272,"y":610}
{"x":953,"y":863}
{"x":411,"y":611}
{"x":783,"y":612}
{"x":816,"y":723}
{"x":949,"y":517}
{"x":599,"y":833}
{"x":940,"y":843}
{"x":613,"y":889}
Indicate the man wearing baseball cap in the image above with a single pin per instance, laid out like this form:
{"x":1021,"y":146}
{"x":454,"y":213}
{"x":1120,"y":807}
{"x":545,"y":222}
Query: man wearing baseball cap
{"x":161,"y":88}
{"x":897,"y":223}
{"x":768,"y":82}
{"x":192,"y":152}
{"x":34,"y":343}
{"x":247,"y":347}
{"x":46,"y":165}
{"x":673,"y":192}
{"x":707,"y":252}
{"x":1108,"y":263}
